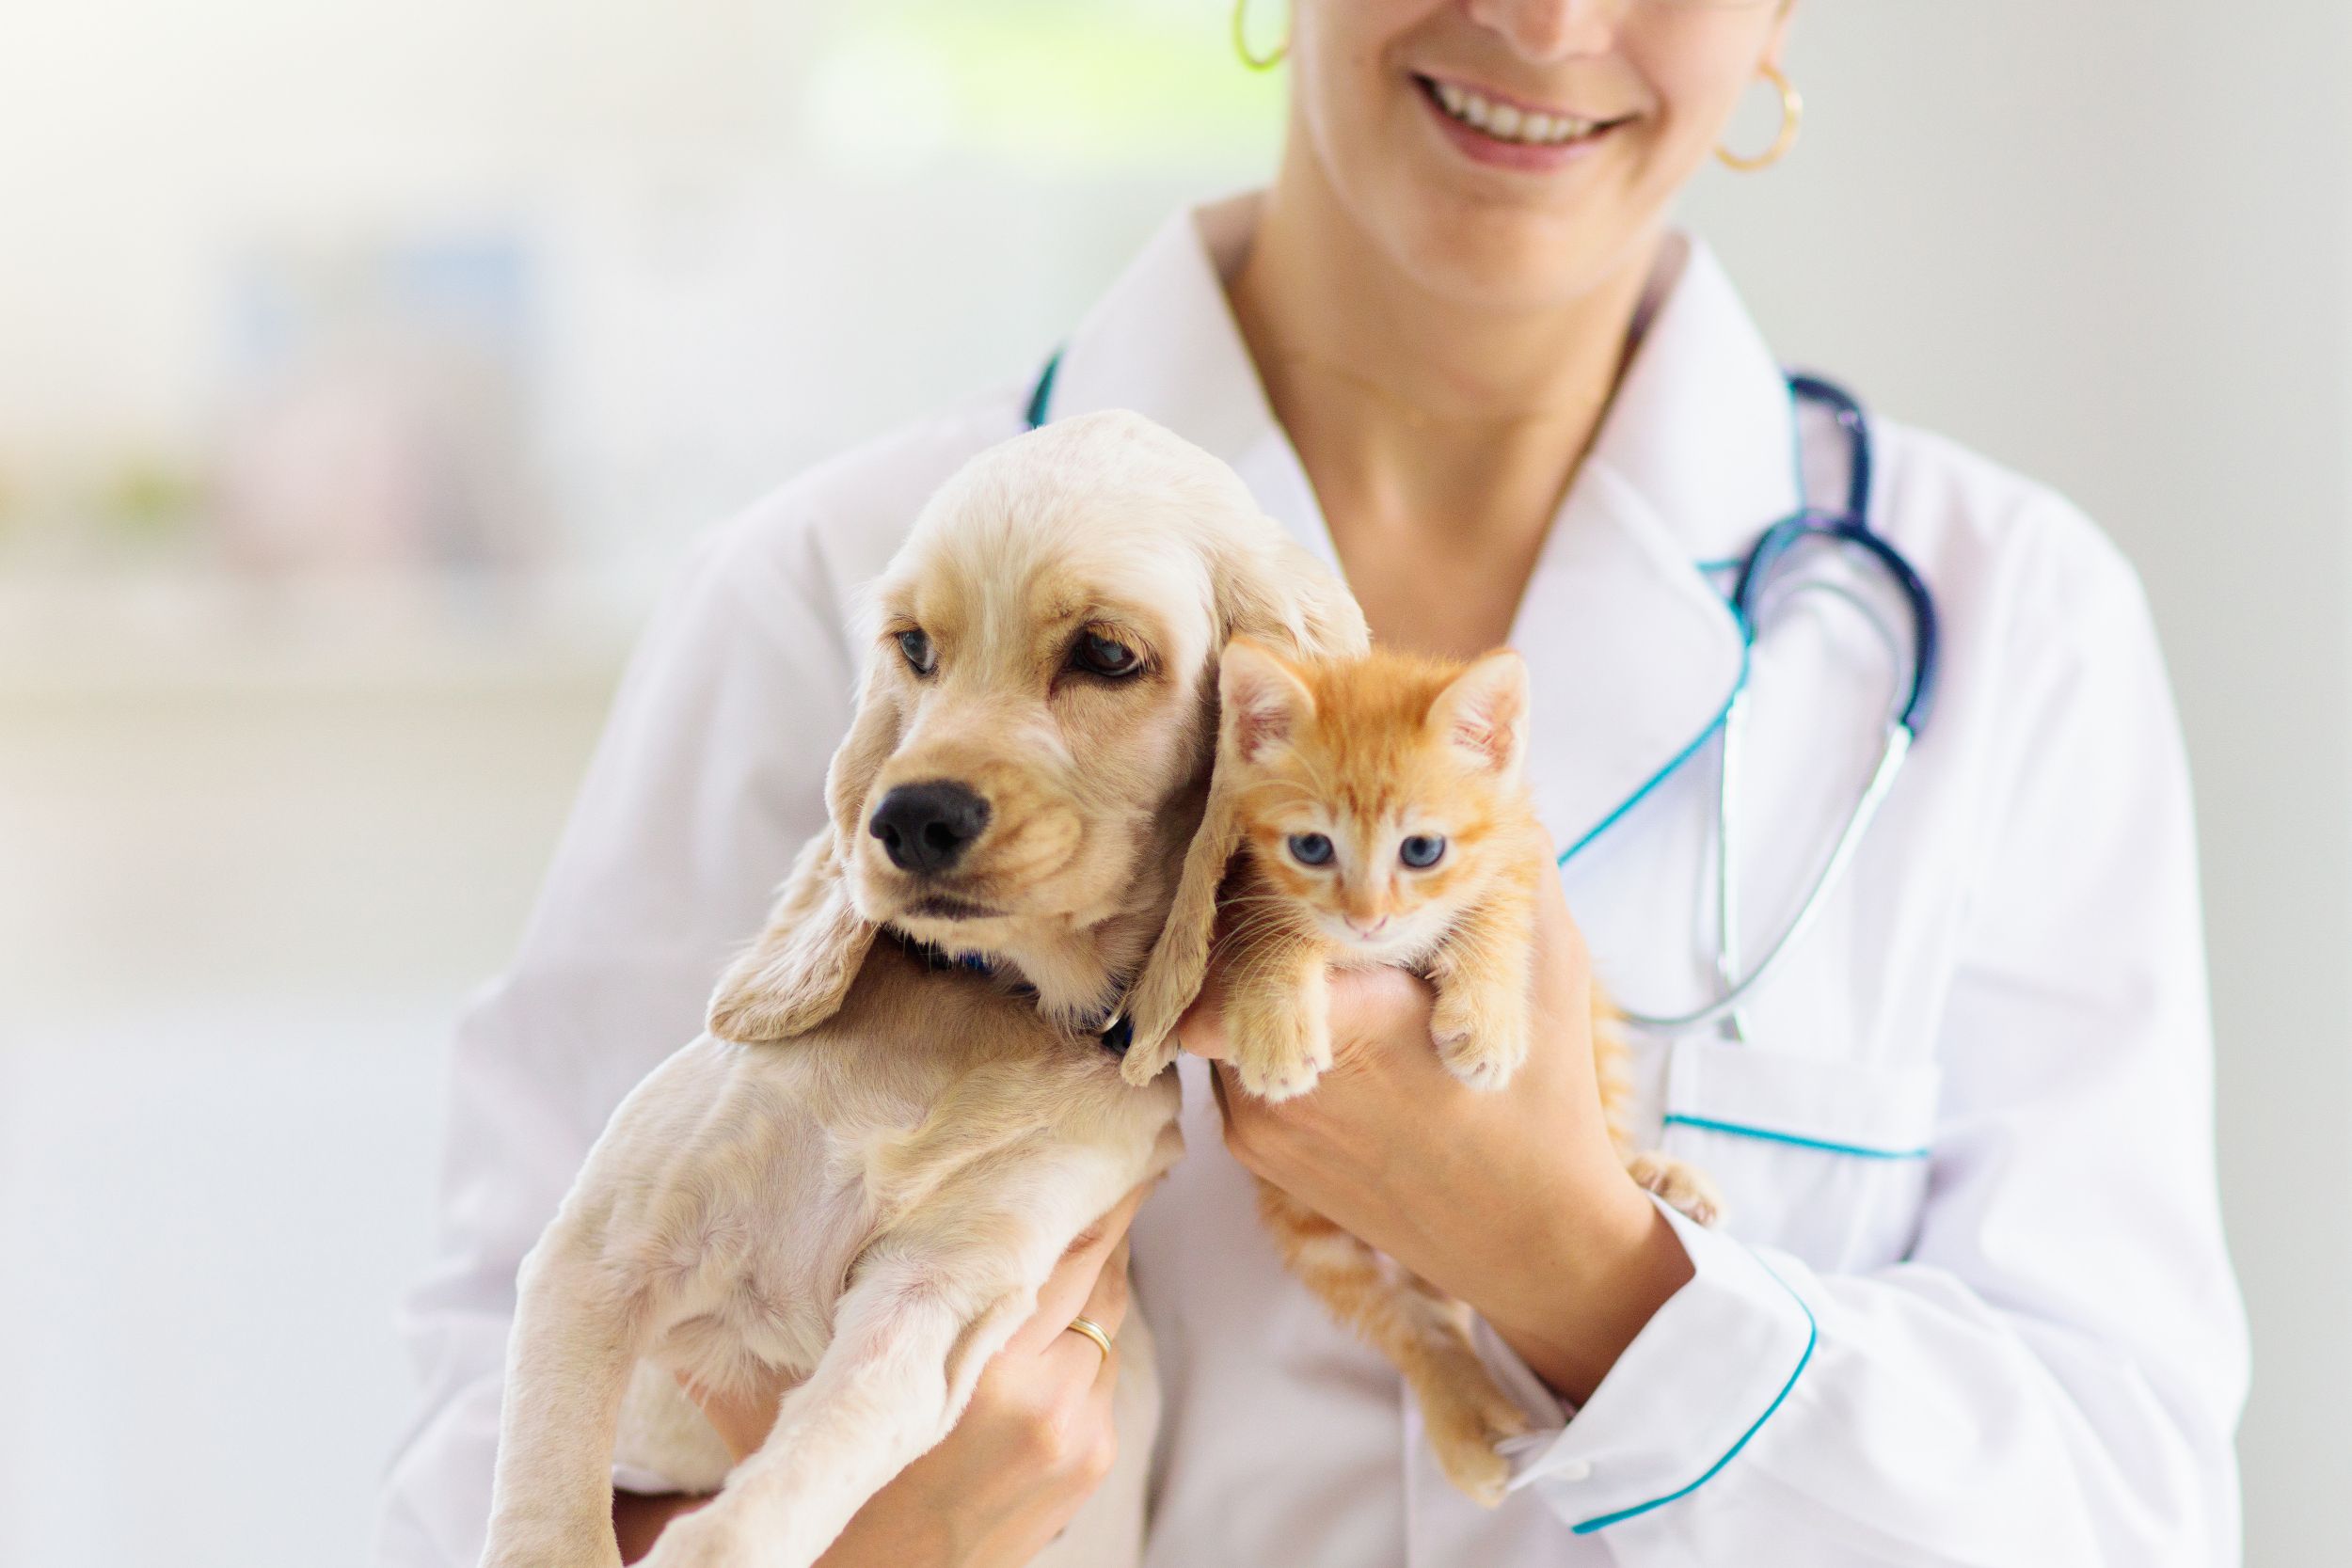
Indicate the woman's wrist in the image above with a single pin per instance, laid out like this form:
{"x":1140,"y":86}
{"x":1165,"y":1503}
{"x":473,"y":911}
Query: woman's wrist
{"x":1607,"y":1260}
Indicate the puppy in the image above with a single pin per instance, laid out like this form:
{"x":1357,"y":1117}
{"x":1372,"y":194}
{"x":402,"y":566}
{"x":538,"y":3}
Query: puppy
{"x":871,"y":1207}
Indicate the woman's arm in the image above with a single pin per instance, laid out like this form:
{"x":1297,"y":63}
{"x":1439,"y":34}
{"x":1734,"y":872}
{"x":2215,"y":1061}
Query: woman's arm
{"x":2054,"y":1373}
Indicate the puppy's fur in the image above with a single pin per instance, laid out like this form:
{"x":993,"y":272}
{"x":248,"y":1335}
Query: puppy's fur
{"x":871,"y":1208}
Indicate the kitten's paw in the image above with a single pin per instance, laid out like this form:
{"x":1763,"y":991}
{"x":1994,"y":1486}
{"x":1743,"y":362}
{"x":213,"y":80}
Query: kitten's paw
{"x":1465,"y":1425}
{"x":1278,"y":1057}
{"x":1687,"y":1187}
{"x":1483,"y":1046}
{"x":1276,"y":1078}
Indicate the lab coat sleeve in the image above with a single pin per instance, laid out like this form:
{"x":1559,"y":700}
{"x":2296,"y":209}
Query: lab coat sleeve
{"x":2053,"y":1374}
{"x":707,"y":778}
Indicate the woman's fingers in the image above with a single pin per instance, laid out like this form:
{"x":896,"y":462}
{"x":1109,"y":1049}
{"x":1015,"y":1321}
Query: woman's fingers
{"x":1064,"y":1294}
{"x":1201,"y":1030}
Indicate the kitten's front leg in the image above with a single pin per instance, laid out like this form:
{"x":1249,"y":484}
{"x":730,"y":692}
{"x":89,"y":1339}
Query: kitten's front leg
{"x":1278,"y":1028}
{"x":1483,"y":972}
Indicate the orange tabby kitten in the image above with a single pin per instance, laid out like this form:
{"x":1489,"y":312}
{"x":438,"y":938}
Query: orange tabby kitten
{"x":1384,"y":819}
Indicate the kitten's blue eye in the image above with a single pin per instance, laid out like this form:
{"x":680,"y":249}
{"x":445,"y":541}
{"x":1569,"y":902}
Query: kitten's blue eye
{"x":1422,"y":850}
{"x":1310,"y":848}
{"x":915,"y":645}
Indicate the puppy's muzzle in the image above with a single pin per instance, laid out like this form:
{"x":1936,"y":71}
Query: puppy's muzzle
{"x":925,"y":828}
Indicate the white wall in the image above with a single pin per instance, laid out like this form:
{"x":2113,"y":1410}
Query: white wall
{"x":2110,"y":242}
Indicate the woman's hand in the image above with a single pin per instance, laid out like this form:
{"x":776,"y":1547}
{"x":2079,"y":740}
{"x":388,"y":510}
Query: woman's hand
{"x":1034,"y":1443}
{"x":1514,"y":1201}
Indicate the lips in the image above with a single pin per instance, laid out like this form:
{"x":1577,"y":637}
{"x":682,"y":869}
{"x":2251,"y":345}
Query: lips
{"x":1499,"y":130}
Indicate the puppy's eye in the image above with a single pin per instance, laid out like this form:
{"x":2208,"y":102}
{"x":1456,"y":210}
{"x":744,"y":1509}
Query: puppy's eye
{"x":1310,"y":848}
{"x":1098,"y":655}
{"x":1422,"y":850}
{"x":917,"y":645}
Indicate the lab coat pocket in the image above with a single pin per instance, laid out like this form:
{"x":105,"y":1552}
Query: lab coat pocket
{"x":1825,"y":1159}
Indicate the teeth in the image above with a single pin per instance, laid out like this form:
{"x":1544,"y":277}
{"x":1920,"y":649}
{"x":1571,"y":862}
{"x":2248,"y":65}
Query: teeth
{"x":1507,"y":121}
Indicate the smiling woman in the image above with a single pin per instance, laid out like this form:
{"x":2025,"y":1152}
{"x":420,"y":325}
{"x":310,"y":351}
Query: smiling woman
{"x":1970,"y":1302}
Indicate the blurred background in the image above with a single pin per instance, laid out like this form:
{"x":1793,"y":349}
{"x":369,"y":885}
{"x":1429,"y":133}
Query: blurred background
{"x":365,"y":365}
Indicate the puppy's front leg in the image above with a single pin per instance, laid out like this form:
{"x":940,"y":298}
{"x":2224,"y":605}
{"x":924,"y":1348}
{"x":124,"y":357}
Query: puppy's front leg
{"x":909,"y":1344}
{"x":575,"y":1340}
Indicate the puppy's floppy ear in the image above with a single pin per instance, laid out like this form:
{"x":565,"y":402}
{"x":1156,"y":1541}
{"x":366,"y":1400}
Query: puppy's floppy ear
{"x":1287,"y":604}
{"x":1261,"y":700}
{"x":796,"y":975}
{"x":1271,"y":589}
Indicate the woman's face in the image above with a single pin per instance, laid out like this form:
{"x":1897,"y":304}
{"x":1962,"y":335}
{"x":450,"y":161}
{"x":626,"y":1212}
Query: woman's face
{"x":1595,"y":114}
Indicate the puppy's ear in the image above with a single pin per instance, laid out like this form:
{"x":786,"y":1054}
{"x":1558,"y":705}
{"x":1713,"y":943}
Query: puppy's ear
{"x":1261,"y":700}
{"x":1282,"y":597}
{"x":796,"y":975}
{"x":1269,"y":592}
{"x":1179,"y":960}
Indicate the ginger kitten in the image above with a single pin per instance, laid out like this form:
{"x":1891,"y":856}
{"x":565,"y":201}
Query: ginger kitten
{"x":1384,"y":821}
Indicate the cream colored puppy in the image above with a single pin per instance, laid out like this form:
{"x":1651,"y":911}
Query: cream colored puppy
{"x":870,"y":1208}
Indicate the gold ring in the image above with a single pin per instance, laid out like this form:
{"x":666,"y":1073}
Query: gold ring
{"x":1093,"y":1330}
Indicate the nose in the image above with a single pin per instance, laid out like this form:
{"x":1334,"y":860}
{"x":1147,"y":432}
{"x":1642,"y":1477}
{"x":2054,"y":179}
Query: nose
{"x":925,"y":827}
{"x":1367,"y":925}
{"x":1550,"y":30}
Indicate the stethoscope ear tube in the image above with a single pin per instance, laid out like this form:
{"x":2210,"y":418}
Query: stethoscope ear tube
{"x":1891,"y":759}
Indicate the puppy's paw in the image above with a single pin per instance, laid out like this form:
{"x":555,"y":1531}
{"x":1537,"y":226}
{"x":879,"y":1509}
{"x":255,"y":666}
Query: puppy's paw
{"x":1466,"y":1423}
{"x":1480,"y":1043}
{"x":1687,"y":1187}
{"x":710,"y":1537}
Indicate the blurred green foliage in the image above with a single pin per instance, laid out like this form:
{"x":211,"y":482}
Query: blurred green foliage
{"x":1085,"y":83}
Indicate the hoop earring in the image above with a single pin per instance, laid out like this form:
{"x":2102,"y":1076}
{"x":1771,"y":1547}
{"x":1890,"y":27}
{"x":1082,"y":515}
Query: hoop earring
{"x":1241,"y":41}
{"x":1791,"y":121}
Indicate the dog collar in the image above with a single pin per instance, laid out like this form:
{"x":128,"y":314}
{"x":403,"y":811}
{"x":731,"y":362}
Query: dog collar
{"x":1114,"y":1036}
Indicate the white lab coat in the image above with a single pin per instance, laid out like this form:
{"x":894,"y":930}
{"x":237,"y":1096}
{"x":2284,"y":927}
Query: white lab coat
{"x":1971,"y":1305}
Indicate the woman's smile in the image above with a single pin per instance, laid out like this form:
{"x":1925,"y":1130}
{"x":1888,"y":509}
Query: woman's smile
{"x":1507,"y":133}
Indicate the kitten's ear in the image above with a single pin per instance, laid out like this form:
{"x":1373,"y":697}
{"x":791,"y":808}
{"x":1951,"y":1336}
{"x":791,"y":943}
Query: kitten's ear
{"x":797,"y":973}
{"x":1261,"y":702}
{"x":1483,"y":712}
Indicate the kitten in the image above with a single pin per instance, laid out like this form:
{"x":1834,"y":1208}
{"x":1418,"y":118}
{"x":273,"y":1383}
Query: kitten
{"x":1384,"y":821}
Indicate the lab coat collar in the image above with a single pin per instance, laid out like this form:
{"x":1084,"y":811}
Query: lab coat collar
{"x":1634,"y":650}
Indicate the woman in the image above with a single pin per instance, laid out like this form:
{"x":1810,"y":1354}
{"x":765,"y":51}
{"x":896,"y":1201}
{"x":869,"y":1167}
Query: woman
{"x":1972,"y":1304}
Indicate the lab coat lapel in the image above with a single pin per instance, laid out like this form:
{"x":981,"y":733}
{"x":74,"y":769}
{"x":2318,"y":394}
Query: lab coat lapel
{"x":1632,"y":651}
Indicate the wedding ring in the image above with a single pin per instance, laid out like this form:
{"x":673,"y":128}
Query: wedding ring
{"x":1093,"y":1330}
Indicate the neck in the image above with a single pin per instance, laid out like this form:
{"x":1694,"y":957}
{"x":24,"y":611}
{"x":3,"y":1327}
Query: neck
{"x":1454,"y":409}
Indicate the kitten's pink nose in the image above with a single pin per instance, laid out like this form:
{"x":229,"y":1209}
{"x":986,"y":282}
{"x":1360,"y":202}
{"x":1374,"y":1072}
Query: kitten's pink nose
{"x":1367,"y":927}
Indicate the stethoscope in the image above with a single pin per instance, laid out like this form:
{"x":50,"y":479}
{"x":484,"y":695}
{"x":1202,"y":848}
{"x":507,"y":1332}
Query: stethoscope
{"x":1763,"y":581}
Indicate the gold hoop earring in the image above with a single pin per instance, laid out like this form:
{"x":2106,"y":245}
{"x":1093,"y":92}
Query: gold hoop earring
{"x":1241,"y":41}
{"x":1791,"y":121}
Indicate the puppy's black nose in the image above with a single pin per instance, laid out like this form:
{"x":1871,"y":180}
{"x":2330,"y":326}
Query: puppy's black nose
{"x":924,"y":827}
